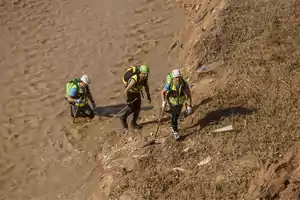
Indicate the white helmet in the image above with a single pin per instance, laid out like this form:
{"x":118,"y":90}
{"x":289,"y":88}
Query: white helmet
{"x":176,"y":73}
{"x":85,"y":79}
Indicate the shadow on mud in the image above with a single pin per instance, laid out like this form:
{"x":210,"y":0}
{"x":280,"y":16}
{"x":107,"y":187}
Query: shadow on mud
{"x":218,"y":115}
{"x":204,"y":101}
{"x":112,"y":110}
{"x":168,"y":114}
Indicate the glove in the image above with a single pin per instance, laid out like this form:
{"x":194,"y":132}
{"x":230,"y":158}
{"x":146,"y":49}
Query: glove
{"x":163,"y":105}
{"x":189,"y":110}
{"x":78,"y":101}
{"x":93,"y":104}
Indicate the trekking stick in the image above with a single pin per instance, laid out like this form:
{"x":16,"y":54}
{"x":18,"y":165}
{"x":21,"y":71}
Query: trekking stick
{"x":159,"y":121}
{"x":74,"y":116}
{"x":121,"y":111}
{"x":155,"y":134}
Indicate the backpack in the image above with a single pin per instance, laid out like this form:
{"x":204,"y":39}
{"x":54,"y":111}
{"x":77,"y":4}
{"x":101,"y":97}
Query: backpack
{"x":131,"y":71}
{"x":70,"y":84}
{"x":169,"y":78}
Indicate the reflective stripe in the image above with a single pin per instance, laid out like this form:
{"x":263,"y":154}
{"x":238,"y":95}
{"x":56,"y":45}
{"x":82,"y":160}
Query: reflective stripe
{"x":177,"y":97}
{"x":137,"y":87}
{"x":81,"y":94}
{"x":134,"y":69}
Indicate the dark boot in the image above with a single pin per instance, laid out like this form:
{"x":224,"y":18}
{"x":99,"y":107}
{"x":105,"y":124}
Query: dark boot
{"x":124,"y":123}
{"x":124,"y":117}
{"x":135,"y":116}
{"x":136,"y":126}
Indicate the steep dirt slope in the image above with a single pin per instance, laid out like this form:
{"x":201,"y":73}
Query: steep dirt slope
{"x":257,"y":42}
{"x":252,"y":48}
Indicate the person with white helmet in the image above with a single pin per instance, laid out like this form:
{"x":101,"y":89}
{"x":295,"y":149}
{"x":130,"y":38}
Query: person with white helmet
{"x":78,"y":94}
{"x":176,"y":91}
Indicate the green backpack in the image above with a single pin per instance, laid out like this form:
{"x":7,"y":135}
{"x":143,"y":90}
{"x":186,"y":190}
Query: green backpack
{"x":169,"y":78}
{"x":70,"y":84}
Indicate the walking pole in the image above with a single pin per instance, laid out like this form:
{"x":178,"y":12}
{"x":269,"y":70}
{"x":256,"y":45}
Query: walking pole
{"x":155,"y":134}
{"x":121,"y":111}
{"x":74,"y":116}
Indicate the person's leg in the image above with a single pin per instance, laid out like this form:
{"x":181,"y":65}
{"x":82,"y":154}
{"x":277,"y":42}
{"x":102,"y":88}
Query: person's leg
{"x":128,"y":111}
{"x":174,"y":122}
{"x":124,"y":116}
{"x":88,"y":111}
{"x":136,"y":111}
{"x":176,"y":110}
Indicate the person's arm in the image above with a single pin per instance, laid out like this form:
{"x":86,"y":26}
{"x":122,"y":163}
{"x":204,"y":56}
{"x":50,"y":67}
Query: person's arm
{"x":90,"y":96}
{"x":130,"y":85}
{"x":188,"y":94}
{"x":71,"y":97}
{"x":147,"y":92}
{"x":164,"y":91}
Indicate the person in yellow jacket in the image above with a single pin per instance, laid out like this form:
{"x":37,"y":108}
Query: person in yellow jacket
{"x":78,"y":94}
{"x":136,"y":79}
{"x":176,"y":91}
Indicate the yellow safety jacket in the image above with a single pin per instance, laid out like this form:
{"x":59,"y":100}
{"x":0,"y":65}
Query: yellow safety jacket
{"x":138,"y":85}
{"x":132,"y":73}
{"x":177,"y":95}
{"x":81,"y":93}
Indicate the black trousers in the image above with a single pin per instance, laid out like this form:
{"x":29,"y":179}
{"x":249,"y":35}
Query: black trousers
{"x":85,"y":111}
{"x":176,"y":110}
{"x":135,"y":108}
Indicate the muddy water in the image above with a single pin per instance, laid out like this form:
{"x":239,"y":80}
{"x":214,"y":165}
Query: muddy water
{"x":45,"y":43}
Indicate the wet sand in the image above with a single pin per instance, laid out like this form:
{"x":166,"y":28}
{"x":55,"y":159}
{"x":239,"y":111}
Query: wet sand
{"x":44,"y":44}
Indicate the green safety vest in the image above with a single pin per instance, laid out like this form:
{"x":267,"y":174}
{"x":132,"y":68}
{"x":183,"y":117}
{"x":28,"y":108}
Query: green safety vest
{"x":81,"y":93}
{"x":138,"y":86}
{"x":133,"y":73}
{"x":176,"y":96}
{"x":133,"y":70}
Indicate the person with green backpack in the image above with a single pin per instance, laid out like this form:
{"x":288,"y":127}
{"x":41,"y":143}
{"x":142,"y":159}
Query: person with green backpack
{"x":134,"y":80}
{"x":176,"y":91}
{"x":78,"y":94}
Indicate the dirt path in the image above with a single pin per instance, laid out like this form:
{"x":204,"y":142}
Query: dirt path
{"x":45,"y":43}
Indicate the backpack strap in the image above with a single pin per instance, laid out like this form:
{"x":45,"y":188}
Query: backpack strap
{"x":183,"y":82}
{"x":131,"y":71}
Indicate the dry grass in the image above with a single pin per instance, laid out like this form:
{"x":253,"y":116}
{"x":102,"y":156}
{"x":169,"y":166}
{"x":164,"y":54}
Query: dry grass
{"x":259,"y":44}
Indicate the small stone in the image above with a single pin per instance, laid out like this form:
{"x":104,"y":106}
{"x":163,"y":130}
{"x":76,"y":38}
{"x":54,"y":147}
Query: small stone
{"x":186,"y":149}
